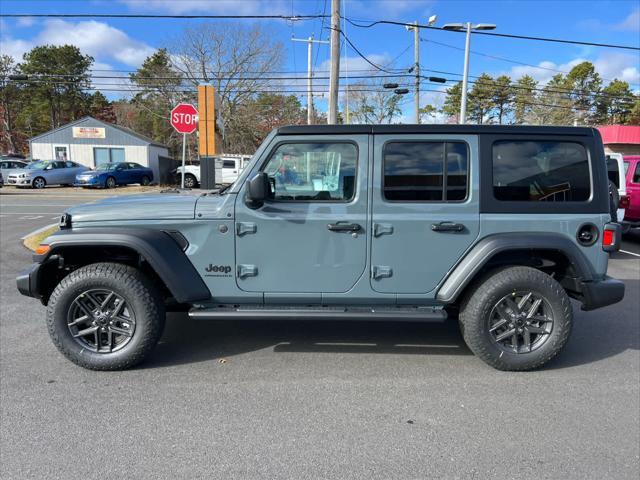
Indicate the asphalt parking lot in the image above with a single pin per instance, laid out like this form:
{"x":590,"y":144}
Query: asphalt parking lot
{"x":313,"y":399}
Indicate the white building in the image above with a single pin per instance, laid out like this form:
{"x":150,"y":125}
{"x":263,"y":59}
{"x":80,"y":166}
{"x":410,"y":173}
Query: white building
{"x":91,"y":142}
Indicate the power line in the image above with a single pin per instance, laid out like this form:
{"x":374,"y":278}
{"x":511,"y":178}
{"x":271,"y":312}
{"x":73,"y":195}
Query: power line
{"x":492,"y":34}
{"x":161,"y":16}
{"x":504,"y":59}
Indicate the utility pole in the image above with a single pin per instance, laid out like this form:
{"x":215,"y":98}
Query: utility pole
{"x":335,"y":62}
{"x":310,"y":41}
{"x":465,"y":76}
{"x":416,"y":66}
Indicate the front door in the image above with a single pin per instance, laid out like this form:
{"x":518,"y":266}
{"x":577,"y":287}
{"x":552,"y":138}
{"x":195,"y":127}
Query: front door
{"x":425,"y":209}
{"x":310,"y":236}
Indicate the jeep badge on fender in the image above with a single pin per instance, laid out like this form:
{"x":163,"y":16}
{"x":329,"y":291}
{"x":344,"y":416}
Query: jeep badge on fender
{"x":494,"y":226}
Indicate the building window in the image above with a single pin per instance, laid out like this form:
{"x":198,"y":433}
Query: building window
{"x":103,"y":155}
{"x":61,"y":153}
{"x":425,"y":171}
{"x":540,"y":171}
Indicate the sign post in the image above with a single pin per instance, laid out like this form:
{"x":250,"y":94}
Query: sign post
{"x":184,"y":118}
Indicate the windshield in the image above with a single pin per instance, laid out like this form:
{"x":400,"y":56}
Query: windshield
{"x":106,"y":167}
{"x":38,"y":165}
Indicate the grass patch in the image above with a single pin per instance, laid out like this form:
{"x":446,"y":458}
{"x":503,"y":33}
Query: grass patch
{"x":32,"y":241}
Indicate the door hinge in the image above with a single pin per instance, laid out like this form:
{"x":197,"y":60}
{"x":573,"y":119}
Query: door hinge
{"x":380,"y":229}
{"x":247,"y":271}
{"x":381,"y":271}
{"x":244,"y":228}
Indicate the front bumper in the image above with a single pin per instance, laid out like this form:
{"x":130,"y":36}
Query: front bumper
{"x":86,"y":182}
{"x":19,"y":182}
{"x":27,"y":281}
{"x":601,"y":293}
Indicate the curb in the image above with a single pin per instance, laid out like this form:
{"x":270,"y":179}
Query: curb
{"x":35,"y":232}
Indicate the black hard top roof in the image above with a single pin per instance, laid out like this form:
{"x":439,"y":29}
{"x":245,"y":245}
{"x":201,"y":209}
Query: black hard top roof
{"x":433,"y":129}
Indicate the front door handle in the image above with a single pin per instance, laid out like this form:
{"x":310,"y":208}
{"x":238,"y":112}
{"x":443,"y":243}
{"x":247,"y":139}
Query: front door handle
{"x":447,"y":227}
{"x":344,"y":227}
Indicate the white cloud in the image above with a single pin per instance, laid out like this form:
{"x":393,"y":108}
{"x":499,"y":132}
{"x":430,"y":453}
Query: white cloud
{"x":25,"y":22}
{"x":212,"y":7}
{"x":357,"y":65}
{"x":609,"y":65}
{"x":98,"y":39}
{"x":631,"y":23}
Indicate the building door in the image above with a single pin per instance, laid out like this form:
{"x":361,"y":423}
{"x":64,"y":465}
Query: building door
{"x":310,"y":236}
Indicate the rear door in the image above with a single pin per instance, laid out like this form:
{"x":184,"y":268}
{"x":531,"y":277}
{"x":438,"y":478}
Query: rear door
{"x":425,"y":209}
{"x":310,"y":236}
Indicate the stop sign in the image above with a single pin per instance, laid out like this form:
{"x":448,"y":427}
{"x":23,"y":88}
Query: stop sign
{"x":184,"y":118}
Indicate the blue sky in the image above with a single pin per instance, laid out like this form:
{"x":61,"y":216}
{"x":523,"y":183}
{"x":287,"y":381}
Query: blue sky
{"x":122,"y":44}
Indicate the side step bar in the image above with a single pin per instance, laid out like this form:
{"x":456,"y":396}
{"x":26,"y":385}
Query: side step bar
{"x":259,"y":312}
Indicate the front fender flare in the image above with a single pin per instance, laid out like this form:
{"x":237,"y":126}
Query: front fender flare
{"x":156,"y":247}
{"x":465,"y":271}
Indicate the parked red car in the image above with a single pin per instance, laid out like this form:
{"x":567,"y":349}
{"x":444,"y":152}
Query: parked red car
{"x":632,"y":213}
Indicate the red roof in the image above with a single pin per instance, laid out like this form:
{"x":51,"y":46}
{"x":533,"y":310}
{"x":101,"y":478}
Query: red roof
{"x":620,"y":134}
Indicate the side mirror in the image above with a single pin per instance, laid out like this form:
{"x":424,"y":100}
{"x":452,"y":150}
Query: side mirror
{"x":258,"y":190}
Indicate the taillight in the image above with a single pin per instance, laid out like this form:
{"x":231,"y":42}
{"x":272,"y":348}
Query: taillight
{"x":611,"y":235}
{"x":624,"y":202}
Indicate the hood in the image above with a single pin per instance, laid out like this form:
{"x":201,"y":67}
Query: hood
{"x":157,"y":206}
{"x":93,"y":173}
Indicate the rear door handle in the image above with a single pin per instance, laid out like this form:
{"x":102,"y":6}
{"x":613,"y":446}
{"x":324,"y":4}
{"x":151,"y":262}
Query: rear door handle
{"x":344,"y":227}
{"x":447,"y":227}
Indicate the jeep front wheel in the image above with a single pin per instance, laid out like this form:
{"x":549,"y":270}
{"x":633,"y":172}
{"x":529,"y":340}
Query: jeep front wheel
{"x":518,"y":318}
{"x":105,"y":316}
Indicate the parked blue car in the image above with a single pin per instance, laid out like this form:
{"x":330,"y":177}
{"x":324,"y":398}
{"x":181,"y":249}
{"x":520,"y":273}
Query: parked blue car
{"x":42,"y":173}
{"x":110,"y":175}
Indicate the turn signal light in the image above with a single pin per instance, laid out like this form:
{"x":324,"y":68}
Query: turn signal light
{"x":608,"y":238}
{"x":42,"y":249}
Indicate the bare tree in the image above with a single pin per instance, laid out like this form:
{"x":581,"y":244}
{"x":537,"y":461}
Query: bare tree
{"x":233,"y":57}
{"x":369,"y":103}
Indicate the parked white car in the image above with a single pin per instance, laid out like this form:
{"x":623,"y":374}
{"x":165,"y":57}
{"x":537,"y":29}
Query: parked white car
{"x":232,"y":166}
{"x":616,"y":173}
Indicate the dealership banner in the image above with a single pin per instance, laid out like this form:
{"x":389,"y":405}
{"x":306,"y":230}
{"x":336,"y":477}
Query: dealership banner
{"x":88,"y":132}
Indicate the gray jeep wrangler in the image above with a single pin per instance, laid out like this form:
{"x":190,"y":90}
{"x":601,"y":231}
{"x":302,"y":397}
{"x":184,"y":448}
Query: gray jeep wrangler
{"x":497,"y":226}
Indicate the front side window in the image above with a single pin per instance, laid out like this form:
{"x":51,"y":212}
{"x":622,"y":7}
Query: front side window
{"x":313,"y":172}
{"x":540,"y":171}
{"x":425,"y":171}
{"x":636,"y":175}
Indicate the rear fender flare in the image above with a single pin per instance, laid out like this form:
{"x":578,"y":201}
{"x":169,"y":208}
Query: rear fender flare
{"x":473,"y":262}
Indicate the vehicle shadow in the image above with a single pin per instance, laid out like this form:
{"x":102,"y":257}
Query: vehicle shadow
{"x":596,"y":336}
{"x":192,"y":341}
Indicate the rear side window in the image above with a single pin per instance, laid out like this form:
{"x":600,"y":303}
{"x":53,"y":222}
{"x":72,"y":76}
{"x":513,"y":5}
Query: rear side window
{"x":540,"y":171}
{"x":425,"y":171}
{"x":228,"y":164}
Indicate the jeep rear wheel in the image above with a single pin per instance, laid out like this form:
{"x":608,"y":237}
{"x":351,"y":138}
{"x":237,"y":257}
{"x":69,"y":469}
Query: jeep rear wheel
{"x":105,"y":316}
{"x":518,"y":318}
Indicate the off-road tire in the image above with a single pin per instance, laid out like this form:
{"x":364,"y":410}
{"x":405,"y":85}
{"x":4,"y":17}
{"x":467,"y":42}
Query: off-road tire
{"x":614,"y":201}
{"x":190,"y":181}
{"x":39,"y":183}
{"x":145,"y":181}
{"x":110,"y":182}
{"x":476,"y":308}
{"x":141,"y":296}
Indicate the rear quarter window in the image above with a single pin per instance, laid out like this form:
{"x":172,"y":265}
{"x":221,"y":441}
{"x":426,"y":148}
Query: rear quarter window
{"x":540,"y":171}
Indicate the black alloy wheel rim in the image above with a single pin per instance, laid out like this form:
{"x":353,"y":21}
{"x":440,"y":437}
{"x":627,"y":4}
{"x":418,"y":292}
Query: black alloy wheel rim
{"x":101,"y":321}
{"x":520,"y":322}
{"x":189,"y":182}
